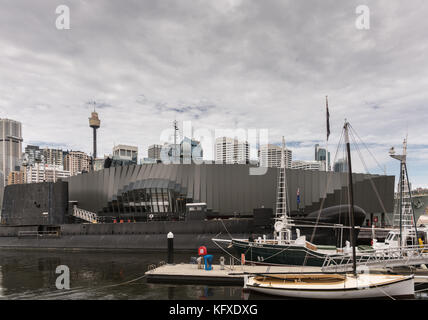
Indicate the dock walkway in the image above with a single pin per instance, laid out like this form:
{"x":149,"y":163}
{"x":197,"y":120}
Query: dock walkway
{"x":189,"y":273}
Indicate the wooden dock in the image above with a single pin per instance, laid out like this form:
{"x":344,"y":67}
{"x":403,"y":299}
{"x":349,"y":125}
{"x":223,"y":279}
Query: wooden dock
{"x":234,"y":275}
{"x":231,"y":275}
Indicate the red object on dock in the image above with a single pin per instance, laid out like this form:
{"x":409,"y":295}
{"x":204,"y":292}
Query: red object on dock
{"x":202,"y":251}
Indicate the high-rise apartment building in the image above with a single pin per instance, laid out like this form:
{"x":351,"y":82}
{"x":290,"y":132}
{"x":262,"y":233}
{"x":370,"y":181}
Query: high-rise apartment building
{"x":230,"y":151}
{"x":154,"y":152}
{"x":308,"y":165}
{"x":45,"y":173}
{"x":77,"y":162}
{"x":10,"y":147}
{"x":53,"y":157}
{"x":17,"y":177}
{"x":270,"y":156}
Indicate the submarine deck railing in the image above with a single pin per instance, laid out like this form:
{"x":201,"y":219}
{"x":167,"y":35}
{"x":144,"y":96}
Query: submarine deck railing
{"x":410,"y":255}
{"x":38,"y":234}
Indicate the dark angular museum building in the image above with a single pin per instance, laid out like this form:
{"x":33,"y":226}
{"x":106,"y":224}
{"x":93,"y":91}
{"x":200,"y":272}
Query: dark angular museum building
{"x":160,"y":190}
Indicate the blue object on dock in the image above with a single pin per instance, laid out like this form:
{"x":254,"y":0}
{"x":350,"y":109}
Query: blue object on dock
{"x":208,"y":262}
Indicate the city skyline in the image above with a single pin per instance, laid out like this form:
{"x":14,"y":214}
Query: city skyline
{"x":161,"y":61}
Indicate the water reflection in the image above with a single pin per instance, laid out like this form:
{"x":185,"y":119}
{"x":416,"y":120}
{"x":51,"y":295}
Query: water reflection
{"x":30,"y":274}
{"x":103,"y":275}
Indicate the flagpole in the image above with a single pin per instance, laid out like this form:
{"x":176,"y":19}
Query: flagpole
{"x":328,"y":133}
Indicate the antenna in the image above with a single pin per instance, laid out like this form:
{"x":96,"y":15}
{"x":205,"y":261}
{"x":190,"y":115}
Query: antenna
{"x":175,"y":139}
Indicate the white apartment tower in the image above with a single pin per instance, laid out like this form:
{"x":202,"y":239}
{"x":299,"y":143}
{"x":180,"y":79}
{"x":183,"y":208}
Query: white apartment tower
{"x":231,"y":151}
{"x":270,"y":156}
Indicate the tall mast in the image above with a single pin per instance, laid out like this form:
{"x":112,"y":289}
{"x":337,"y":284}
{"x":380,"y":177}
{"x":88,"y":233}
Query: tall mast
{"x":351,"y":198}
{"x":405,"y":222}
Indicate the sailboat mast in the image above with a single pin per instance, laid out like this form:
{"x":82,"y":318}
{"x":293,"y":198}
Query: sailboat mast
{"x":351,"y":198}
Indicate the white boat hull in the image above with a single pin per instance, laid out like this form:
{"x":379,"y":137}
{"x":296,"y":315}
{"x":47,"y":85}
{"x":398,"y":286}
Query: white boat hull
{"x":365,"y":289}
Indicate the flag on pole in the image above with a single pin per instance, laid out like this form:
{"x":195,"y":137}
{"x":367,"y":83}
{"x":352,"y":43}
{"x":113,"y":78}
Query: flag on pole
{"x":328,"y":117}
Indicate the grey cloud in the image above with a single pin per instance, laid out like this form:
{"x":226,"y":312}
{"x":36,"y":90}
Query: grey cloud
{"x":225,"y":63}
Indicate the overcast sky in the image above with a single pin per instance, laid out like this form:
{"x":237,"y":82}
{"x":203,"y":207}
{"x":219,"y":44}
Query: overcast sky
{"x":222,"y":64}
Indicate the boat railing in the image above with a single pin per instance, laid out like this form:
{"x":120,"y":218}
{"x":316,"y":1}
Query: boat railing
{"x":384,"y":257}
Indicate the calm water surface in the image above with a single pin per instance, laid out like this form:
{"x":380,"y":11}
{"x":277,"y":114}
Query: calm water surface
{"x":30,"y":274}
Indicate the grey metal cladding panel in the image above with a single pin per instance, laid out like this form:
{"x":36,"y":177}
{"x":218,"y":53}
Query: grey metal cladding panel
{"x":220,"y":171}
{"x":148,"y":172}
{"x":178,"y":176}
{"x":270,"y":191}
{"x":215,"y":169}
{"x":335,"y":180}
{"x":171,"y":174}
{"x":209,"y":186}
{"x":141,"y":172}
{"x":315,"y":187}
{"x":106,"y":178}
{"x":379,"y":183}
{"x":245,"y":184}
{"x":389,"y":197}
{"x":117,"y":177}
{"x":308,"y":177}
{"x":129,"y":175}
{"x":256,"y":195}
{"x":197,"y":185}
{"x":322,"y":184}
{"x":203,"y":195}
{"x":99,"y":190}
{"x":123,"y":176}
{"x":268,"y":187}
{"x":135,"y":173}
{"x":191,"y":181}
{"x":231,"y":189}
{"x":294,"y":181}
{"x":111,"y":174}
{"x":155,"y":174}
{"x":240,"y":190}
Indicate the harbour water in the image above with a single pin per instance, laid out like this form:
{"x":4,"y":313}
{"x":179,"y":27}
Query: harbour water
{"x":31,"y":274}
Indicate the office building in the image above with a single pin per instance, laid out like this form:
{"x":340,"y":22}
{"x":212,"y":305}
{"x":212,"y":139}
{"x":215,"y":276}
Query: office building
{"x":270,"y":156}
{"x":341,"y":165}
{"x":32,"y":155}
{"x":187,"y":152}
{"x":126,"y":154}
{"x":320,"y":155}
{"x":10,"y":147}
{"x":231,"y":151}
